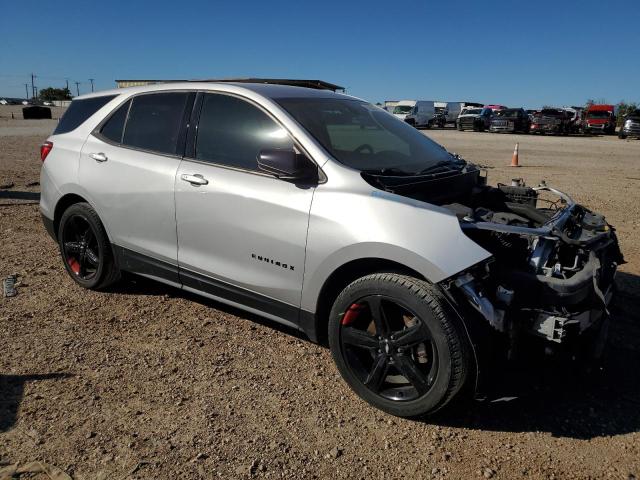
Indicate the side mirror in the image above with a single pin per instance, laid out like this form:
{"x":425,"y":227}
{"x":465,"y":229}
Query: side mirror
{"x":287,"y":165}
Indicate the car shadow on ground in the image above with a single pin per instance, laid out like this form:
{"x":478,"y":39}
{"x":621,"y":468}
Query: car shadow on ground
{"x":559,"y":397}
{"x":567,"y":399}
{"x":17,"y":195}
{"x":137,"y":285}
{"x":11,"y":393}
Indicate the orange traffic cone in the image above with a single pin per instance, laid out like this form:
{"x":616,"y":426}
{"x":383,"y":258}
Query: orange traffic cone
{"x":514,"y":159}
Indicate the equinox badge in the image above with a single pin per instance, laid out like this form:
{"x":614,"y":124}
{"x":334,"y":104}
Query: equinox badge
{"x":260,"y":258}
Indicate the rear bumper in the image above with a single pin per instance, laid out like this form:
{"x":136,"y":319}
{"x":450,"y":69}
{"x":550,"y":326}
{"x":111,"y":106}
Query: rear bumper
{"x":48,"y":225}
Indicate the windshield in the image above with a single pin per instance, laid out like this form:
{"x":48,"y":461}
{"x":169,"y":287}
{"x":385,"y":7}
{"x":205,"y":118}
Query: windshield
{"x":403,"y":109}
{"x":363,"y":137}
{"x":511,"y":112}
{"x":599,"y":114}
{"x":472,"y":111}
{"x":552,"y":113}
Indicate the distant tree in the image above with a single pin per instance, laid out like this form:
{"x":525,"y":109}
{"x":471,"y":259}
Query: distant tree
{"x":591,"y":101}
{"x":49,"y":94}
{"x":624,"y":108}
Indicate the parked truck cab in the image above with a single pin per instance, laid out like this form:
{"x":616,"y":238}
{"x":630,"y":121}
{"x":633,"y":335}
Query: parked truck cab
{"x":425,"y":114}
{"x":404,"y":108}
{"x":630,"y":125}
{"x":600,"y":119}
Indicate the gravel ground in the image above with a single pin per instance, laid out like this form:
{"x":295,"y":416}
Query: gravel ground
{"x":146,"y":381}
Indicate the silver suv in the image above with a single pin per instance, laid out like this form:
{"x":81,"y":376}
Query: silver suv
{"x":327,"y":214}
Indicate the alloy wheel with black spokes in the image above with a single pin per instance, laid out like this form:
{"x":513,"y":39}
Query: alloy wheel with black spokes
{"x":397,"y":344}
{"x":85,"y":249}
{"x":80,"y":247}
{"x":388,"y":348}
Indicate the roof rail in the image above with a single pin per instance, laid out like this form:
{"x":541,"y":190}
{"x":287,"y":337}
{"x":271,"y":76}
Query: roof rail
{"x":315,"y":84}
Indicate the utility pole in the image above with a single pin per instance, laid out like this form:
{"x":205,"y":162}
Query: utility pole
{"x":77,"y":87}
{"x":91,"y":80}
{"x":67,"y":81}
{"x":33,"y":88}
{"x":26,"y":91}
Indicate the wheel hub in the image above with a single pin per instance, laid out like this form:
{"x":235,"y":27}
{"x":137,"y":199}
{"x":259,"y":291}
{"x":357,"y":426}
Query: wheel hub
{"x":388,"y":348}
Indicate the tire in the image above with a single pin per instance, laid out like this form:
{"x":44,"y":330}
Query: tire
{"x":460,"y":127}
{"x":396,"y":377}
{"x":87,"y":257}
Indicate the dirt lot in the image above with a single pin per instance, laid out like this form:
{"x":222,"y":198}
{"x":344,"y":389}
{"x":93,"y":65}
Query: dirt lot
{"x":148,"y":382}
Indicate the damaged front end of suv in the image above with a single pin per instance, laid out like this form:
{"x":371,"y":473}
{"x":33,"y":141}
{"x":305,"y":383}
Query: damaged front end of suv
{"x":551,"y":274}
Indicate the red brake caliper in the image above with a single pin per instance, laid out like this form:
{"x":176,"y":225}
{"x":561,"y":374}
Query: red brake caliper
{"x":352,"y":313}
{"x":75,"y":266}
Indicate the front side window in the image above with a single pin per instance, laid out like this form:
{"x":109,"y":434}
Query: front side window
{"x":232,"y":132}
{"x":360,"y":136}
{"x":154,"y":122}
{"x":114,"y":127}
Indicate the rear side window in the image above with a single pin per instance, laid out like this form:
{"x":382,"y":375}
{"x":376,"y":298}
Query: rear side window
{"x":154,"y":122}
{"x":79,"y":111}
{"x":232,"y":132}
{"x":114,"y":127}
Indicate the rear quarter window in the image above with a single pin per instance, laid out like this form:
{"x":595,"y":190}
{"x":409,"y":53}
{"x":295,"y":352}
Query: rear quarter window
{"x":79,"y":111}
{"x":114,"y":127}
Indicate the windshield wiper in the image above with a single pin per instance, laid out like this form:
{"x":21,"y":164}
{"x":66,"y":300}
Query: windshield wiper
{"x":390,"y":171}
{"x":439,"y":166}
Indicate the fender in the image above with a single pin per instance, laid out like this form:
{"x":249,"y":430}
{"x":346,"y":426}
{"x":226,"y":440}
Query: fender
{"x":346,"y":226}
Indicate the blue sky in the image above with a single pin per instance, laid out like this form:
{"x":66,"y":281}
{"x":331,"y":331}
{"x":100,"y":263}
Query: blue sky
{"x":511,"y":52}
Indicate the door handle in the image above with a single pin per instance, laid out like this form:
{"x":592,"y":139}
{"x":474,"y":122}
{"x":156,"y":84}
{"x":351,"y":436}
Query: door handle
{"x":195,"y":179}
{"x":99,"y":157}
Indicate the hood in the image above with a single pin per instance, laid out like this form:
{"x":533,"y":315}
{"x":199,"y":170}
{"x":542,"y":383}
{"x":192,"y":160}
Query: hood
{"x":597,"y":121}
{"x":468,"y":115}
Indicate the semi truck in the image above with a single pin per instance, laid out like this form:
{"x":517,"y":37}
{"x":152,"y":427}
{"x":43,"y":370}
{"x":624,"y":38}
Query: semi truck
{"x":600,"y":119}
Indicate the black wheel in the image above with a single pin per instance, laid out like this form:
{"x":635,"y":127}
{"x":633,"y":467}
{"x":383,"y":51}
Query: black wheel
{"x":85,"y":248}
{"x":460,"y":127}
{"x":397,"y":344}
{"x":621,"y":135}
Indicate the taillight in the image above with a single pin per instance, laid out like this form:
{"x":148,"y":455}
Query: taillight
{"x":45,"y":148}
